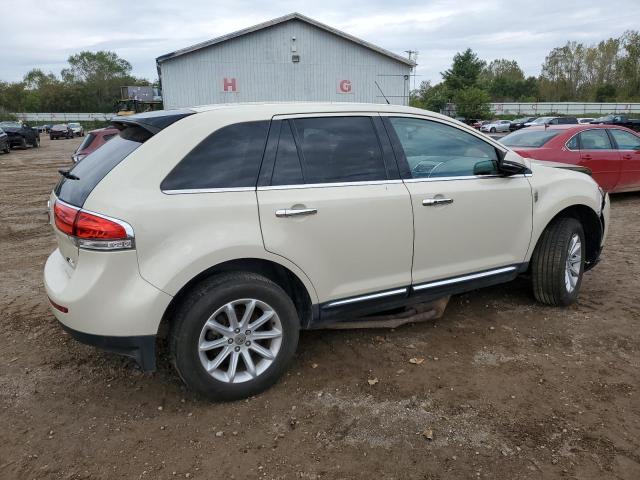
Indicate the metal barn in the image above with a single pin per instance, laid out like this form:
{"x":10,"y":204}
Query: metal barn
{"x":291,"y":58}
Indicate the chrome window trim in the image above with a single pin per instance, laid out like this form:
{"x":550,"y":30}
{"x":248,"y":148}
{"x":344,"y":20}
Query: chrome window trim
{"x":463,"y":278}
{"x":448,"y":179}
{"x":208,"y":190}
{"x":328,"y":185}
{"x":372,"y":296}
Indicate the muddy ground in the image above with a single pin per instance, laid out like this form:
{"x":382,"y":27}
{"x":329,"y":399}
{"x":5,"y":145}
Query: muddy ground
{"x":510,"y":389}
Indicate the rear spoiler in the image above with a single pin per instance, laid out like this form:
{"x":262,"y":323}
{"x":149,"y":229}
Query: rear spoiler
{"x":153,"y":122}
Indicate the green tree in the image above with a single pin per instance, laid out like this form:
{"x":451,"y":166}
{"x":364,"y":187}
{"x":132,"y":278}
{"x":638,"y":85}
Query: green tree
{"x":430,"y":97}
{"x":464,"y":72}
{"x":472,"y":102}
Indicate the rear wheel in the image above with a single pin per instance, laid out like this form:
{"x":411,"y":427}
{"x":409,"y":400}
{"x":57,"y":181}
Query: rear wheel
{"x":36,"y":143}
{"x":557,"y":264}
{"x":493,"y":130}
{"x":7,"y":148}
{"x":233,"y":336}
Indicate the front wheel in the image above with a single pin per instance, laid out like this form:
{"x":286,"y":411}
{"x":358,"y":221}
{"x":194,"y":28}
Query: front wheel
{"x":36,"y":143}
{"x":493,"y":130}
{"x":557,"y":264}
{"x":233,"y":336}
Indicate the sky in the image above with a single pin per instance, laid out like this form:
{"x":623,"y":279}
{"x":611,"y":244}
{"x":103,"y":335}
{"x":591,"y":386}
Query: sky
{"x":141,"y":30}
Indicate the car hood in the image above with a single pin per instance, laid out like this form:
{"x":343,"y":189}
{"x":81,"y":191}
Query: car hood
{"x":12,"y":129}
{"x":564,"y":166}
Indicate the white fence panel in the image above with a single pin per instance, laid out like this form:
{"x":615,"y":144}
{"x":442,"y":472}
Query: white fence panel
{"x":567,"y":108}
{"x":63,"y":117}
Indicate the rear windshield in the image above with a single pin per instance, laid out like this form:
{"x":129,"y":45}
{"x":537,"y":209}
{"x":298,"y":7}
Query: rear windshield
{"x":86,"y":142}
{"x":96,"y":165}
{"x":529,"y":138}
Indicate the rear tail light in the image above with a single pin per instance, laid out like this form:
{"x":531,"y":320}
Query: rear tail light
{"x":93,"y":231}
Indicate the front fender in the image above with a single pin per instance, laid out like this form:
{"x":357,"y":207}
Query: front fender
{"x":555,"y":190}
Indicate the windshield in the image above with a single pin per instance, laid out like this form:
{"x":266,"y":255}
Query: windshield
{"x":74,"y":125}
{"x":86,"y":142}
{"x":529,"y":138}
{"x":10,"y":125}
{"x":542,"y":120}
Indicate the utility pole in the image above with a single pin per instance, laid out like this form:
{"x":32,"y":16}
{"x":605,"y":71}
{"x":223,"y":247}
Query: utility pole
{"x":413,"y":55}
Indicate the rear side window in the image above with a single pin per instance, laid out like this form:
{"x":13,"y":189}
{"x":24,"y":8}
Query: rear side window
{"x":339,"y":149}
{"x":228,"y":158}
{"x":594,"y":140}
{"x":95,"y":166}
{"x":625,"y":140}
{"x":287,"y":170}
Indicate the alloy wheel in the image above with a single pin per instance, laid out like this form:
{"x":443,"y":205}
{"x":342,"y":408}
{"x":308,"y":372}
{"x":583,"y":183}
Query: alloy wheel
{"x":573,"y":263}
{"x":240,"y":340}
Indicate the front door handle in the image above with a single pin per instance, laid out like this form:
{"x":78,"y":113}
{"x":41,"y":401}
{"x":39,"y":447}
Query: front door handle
{"x":296,"y":212}
{"x":586,"y":157}
{"x":430,"y":202}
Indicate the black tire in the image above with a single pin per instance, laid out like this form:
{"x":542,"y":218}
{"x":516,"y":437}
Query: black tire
{"x":51,"y":137}
{"x":549,"y":260}
{"x":194,"y":311}
{"x":7,"y":148}
{"x":23,"y":142}
{"x":36,"y":143}
{"x":492,"y":130}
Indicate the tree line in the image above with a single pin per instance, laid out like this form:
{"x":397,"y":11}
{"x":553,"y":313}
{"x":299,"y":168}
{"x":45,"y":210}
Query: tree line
{"x":606,"y":72}
{"x":90,"y":83}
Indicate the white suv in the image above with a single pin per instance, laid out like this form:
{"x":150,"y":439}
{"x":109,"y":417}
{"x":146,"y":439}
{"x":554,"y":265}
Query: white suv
{"x":237,"y":226}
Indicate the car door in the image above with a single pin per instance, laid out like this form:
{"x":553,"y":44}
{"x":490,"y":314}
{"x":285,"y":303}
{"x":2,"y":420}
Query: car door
{"x":331,"y":201}
{"x":467,"y":225}
{"x":628,"y":146}
{"x":597,"y":153}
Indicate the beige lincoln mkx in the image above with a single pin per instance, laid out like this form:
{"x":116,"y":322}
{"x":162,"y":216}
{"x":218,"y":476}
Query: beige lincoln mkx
{"x":239,"y":225}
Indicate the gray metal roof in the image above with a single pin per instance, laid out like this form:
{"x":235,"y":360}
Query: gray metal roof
{"x":276,"y":21}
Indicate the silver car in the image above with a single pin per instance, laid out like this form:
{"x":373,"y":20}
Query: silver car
{"x":496,"y":126}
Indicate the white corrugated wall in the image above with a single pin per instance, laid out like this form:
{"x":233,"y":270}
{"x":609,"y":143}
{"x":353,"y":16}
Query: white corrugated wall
{"x":262,"y":66}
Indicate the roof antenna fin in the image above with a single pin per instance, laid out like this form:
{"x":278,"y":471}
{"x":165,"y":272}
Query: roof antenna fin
{"x":385,"y":97}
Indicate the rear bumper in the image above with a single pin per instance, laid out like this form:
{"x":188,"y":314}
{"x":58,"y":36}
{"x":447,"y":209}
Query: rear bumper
{"x":141,"y":348}
{"x":105,"y":302}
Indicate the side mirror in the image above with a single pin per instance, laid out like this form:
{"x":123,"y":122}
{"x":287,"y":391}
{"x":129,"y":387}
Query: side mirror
{"x":511,"y":168}
{"x":486,"y":167}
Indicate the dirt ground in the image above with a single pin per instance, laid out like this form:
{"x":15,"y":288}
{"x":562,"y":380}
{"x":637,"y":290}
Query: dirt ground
{"x":509,"y":389}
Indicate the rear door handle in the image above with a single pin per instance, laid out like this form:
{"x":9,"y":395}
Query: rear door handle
{"x":586,"y":157}
{"x":430,"y":202}
{"x":296,"y":212}
{"x":627,"y":157}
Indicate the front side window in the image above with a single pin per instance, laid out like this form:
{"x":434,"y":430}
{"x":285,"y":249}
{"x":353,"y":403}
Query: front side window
{"x":594,"y":140}
{"x":339,"y":149}
{"x":434,"y":149}
{"x":228,"y":158}
{"x":625,"y":140}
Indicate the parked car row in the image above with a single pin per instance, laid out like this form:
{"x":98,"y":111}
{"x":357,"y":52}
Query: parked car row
{"x":66,"y":130}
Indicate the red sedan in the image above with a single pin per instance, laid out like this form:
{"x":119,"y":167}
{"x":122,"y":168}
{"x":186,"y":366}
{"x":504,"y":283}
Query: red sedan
{"x":93,"y":140}
{"x":611,"y":153}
